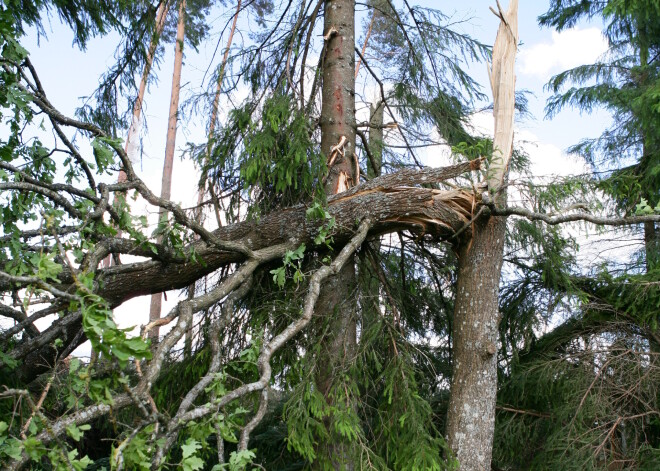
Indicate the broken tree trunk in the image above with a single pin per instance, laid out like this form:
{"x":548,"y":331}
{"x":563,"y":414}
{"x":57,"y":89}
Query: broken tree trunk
{"x":392,"y":202}
{"x":471,"y":414}
{"x":166,"y":184}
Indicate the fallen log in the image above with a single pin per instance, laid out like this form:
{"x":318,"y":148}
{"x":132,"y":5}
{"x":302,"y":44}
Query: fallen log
{"x":392,"y":202}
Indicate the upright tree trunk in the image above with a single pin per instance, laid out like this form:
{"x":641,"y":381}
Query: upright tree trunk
{"x":131,"y":138}
{"x":221,"y":73}
{"x":337,"y":302}
{"x":130,"y":146}
{"x":366,"y":41}
{"x":198,"y":214}
{"x":471,"y":414}
{"x":166,"y":185}
{"x":376,"y":118}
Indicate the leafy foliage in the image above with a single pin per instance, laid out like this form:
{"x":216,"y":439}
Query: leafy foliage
{"x":578,"y":342}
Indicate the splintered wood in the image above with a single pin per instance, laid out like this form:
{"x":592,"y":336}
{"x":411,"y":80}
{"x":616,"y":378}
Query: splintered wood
{"x":502,"y":80}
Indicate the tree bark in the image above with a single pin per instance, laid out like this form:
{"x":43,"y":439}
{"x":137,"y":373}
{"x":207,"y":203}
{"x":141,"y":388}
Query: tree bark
{"x":129,"y":145}
{"x":132,"y":135}
{"x":166,"y":184}
{"x":390,"y":201}
{"x":337,"y":302}
{"x":471,"y":413}
{"x":376,"y":118}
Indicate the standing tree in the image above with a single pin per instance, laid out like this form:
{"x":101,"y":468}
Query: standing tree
{"x":594,"y":375}
{"x":170,"y":147}
{"x":471,"y":414}
{"x":325,"y":323}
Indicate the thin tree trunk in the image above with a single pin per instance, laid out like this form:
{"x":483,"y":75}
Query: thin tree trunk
{"x":367,"y":266}
{"x":337,"y":302}
{"x":166,"y":184}
{"x":376,"y":118}
{"x":129,"y":146}
{"x":366,"y":42}
{"x":221,"y":73}
{"x":202,"y":187}
{"x":471,"y":414}
{"x":131,"y":138}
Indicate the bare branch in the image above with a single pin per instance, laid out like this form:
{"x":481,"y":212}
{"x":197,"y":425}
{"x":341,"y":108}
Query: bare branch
{"x":573,"y":217}
{"x":274,"y":345}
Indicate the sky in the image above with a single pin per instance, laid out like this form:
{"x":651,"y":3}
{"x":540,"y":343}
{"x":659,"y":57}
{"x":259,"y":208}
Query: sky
{"x":69,"y":74}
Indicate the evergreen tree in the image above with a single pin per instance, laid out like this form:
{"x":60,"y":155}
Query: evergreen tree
{"x":325,"y":313}
{"x":581,"y":394}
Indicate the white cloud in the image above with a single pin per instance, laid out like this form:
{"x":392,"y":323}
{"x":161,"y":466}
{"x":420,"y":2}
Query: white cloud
{"x":568,"y":49}
{"x":546,"y":159}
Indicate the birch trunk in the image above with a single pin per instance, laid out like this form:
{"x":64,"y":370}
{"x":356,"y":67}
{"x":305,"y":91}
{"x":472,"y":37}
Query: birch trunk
{"x":166,"y":184}
{"x":471,"y":414}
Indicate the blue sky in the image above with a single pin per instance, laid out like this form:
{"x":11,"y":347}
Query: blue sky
{"x":69,"y":73}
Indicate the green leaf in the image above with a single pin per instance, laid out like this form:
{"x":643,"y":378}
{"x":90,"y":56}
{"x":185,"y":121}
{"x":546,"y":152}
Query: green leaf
{"x":190,"y":448}
{"x":77,"y":432}
{"x":643,"y":208}
{"x":279,"y":276}
{"x":239,"y":460}
{"x":192,"y":463}
{"x":103,"y":155}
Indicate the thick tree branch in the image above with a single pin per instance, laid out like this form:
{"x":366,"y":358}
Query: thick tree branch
{"x":273,"y":346}
{"x":390,"y":201}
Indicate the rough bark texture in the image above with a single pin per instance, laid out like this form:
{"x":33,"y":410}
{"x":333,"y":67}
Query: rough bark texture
{"x":471,"y":413}
{"x":338,"y":95}
{"x":389,"y":201}
{"x":337,"y":302}
{"x":170,"y":144}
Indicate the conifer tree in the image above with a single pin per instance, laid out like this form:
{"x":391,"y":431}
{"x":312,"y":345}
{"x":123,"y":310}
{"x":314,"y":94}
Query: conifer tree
{"x":336,"y":302}
{"x":170,"y":147}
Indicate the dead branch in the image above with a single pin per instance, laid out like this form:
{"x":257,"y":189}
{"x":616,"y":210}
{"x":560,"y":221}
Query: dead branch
{"x":573,"y":217}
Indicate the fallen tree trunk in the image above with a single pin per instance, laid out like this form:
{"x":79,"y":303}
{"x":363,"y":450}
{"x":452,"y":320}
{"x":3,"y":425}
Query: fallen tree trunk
{"x":390,"y":201}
